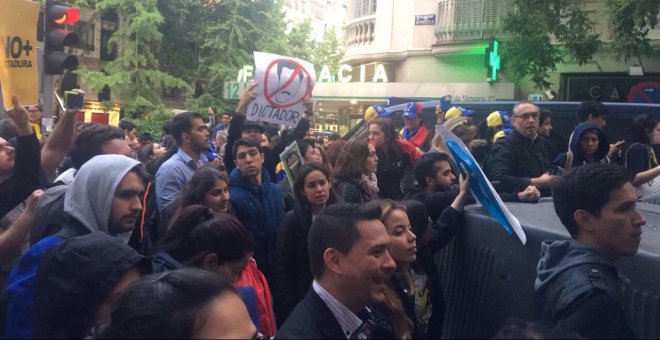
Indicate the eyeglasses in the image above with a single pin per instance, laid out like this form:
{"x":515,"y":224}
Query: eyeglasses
{"x":527,"y":115}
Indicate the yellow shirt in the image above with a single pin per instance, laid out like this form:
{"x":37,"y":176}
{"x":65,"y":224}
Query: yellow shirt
{"x":37,"y":130}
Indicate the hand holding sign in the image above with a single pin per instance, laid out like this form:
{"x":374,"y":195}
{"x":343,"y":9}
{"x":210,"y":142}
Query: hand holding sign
{"x":246,"y":98}
{"x":284,"y":84}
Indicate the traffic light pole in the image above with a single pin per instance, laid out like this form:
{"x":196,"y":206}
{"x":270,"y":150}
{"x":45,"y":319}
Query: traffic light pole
{"x":45,"y":86}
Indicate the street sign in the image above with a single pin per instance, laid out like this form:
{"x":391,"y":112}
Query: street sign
{"x":234,"y":89}
{"x":425,"y":19}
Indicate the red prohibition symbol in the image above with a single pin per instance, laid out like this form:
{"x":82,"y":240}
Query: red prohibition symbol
{"x":292,"y":86}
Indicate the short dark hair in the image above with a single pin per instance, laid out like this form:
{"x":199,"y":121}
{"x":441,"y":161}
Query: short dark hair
{"x":89,"y":141}
{"x":8,"y":129}
{"x":126,"y":125}
{"x":225,"y":114}
{"x":304,"y":144}
{"x":336,"y":227}
{"x":181,"y":123}
{"x":167,"y":127}
{"x":145,"y":136}
{"x":588,"y":188}
{"x":249,"y":142}
{"x":165,"y":305}
{"x":545,"y":114}
{"x":591,"y":107}
{"x":424,"y":167}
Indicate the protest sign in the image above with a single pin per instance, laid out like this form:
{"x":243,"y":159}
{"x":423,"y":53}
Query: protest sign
{"x":283,"y":84}
{"x":480,"y":186}
{"x":291,"y":161}
{"x":18,"y":52}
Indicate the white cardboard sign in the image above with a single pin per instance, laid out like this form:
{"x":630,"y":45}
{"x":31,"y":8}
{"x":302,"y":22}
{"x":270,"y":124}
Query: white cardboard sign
{"x":283,"y":84}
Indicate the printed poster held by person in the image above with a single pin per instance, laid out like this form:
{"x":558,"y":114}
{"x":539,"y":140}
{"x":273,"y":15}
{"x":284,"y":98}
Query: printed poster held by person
{"x":283,"y":84}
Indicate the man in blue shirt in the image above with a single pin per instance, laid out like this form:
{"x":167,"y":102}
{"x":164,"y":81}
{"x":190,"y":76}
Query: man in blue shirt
{"x":192,"y":135}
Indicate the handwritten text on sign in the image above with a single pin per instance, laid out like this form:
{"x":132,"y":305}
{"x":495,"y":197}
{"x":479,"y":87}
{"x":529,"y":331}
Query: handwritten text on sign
{"x":283,"y":84}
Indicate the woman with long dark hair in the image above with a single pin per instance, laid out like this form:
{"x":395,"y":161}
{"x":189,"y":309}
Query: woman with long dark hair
{"x":640,"y":157}
{"x":208,"y":186}
{"x":293,"y":276}
{"x":217,"y":242}
{"x":395,"y":167}
{"x":201,"y":238}
{"x":356,"y":172}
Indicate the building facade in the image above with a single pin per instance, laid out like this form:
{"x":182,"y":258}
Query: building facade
{"x":431,"y":48}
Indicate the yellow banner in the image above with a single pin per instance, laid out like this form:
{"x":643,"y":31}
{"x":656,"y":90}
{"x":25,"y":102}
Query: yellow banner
{"x":18,"y":51}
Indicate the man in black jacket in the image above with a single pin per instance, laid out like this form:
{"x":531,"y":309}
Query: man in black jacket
{"x":577,"y":285}
{"x":351,"y":265}
{"x":437,"y":191}
{"x":522,"y":158}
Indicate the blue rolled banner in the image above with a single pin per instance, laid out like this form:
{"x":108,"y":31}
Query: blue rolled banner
{"x":480,"y":186}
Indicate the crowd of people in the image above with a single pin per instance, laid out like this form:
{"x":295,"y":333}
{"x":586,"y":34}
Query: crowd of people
{"x":108,"y":233}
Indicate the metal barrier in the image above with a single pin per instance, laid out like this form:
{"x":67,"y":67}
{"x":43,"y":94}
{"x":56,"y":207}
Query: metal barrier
{"x":488,"y":275}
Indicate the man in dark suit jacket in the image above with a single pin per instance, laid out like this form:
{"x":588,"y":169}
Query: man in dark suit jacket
{"x":350,"y":264}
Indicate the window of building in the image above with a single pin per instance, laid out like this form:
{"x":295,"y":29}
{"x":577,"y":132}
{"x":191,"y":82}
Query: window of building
{"x":365,"y":7}
{"x":108,"y":51}
{"x":85,"y":33}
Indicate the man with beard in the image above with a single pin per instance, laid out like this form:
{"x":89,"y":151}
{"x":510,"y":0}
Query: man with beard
{"x":259,"y":203}
{"x":191,"y":134}
{"x":105,"y":196}
{"x":522,"y":158}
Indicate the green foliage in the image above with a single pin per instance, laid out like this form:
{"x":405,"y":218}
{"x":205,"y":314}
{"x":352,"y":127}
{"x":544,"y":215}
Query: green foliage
{"x":328,"y":52}
{"x":302,"y":46}
{"x":631,"y":21}
{"x":544,"y":33}
{"x":533,"y":25}
{"x":152,"y":122}
{"x":167,"y":44}
{"x":135,"y":75}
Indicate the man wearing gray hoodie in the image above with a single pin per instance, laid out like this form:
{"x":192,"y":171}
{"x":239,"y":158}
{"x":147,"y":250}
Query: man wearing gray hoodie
{"x":104,"y":196}
{"x":577,"y":284}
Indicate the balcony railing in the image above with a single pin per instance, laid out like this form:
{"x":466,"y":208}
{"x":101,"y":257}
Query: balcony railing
{"x":460,"y":20}
{"x":361,"y":31}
